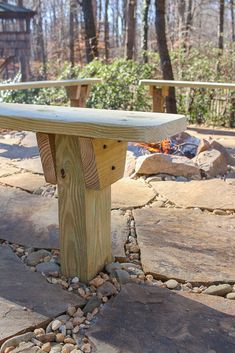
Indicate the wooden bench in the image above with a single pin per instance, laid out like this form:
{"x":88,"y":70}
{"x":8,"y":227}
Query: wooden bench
{"x":90,"y":152}
{"x":159,"y":89}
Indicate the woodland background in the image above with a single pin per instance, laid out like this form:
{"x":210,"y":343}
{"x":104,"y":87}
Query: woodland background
{"x":124,"y":41}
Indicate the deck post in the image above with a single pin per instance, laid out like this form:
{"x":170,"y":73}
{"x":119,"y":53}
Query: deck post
{"x":85,"y":206}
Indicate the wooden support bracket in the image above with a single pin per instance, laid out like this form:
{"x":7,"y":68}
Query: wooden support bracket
{"x":103,"y":161}
{"x":46,"y":143}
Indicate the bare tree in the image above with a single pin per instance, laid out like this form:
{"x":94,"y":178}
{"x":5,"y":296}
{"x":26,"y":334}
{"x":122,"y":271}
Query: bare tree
{"x":188,"y":25}
{"x":106,"y":30}
{"x":232,"y":20}
{"x":40,"y":49}
{"x":130,"y":29}
{"x":72,"y":15}
{"x":90,"y":30}
{"x":221,"y":26}
{"x":144,"y":38}
{"x":164,"y":53}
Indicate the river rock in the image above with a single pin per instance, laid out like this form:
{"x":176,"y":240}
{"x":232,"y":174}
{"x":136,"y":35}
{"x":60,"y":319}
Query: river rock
{"x":220,"y":290}
{"x":230,"y":296}
{"x":171,"y":284}
{"x":93,"y":302}
{"x":34,"y":258}
{"x":107,"y":290}
{"x":48,"y":267}
{"x":122,"y":276}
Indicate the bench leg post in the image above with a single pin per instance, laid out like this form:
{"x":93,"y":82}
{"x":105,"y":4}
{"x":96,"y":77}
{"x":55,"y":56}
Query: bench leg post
{"x":84,"y":214}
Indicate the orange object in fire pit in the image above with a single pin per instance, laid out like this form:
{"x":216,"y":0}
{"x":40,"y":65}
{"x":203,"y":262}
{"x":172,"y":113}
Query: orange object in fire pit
{"x":163,"y":146}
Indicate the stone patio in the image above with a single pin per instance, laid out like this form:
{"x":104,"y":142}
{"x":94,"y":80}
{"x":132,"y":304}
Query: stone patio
{"x":179,"y":238}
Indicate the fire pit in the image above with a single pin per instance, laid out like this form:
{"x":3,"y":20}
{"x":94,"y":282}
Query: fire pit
{"x":181,"y":155}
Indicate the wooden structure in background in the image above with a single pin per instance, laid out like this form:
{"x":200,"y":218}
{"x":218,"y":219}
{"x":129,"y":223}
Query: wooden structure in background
{"x":159,"y":90}
{"x":14,"y":40}
{"x":84,"y":151}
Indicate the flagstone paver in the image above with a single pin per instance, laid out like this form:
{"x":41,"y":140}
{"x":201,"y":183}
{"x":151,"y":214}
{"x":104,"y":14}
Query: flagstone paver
{"x":32,"y":221}
{"x":31,"y":164}
{"x":207,"y":194}
{"x":185,"y":245}
{"x":148,"y":319}
{"x":128,"y":193}
{"x":6,"y":170}
{"x":26,"y":181}
{"x":26,"y":299}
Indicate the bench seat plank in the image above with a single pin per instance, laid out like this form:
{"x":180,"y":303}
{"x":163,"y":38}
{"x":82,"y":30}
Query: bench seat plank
{"x":93,"y":123}
{"x":49,"y":84}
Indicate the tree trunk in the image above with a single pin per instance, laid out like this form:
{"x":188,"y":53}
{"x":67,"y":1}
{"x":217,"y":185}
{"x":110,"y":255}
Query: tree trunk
{"x":164,"y":53}
{"x":90,"y":31}
{"x":40,"y":44}
{"x":232,"y":20}
{"x":72,"y":14}
{"x":181,"y":14}
{"x":188,"y":25}
{"x":144,"y":39}
{"x":130,"y":30}
{"x":221,"y":27}
{"x":106,"y":31}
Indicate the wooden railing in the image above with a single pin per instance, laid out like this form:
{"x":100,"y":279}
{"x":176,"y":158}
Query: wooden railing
{"x":159,"y":90}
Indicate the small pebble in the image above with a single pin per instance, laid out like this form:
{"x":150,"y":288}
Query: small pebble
{"x":46,"y":347}
{"x":56,"y":325}
{"x":86,"y":348}
{"x":171,"y":284}
{"x":71,"y":310}
{"x":60,"y":337}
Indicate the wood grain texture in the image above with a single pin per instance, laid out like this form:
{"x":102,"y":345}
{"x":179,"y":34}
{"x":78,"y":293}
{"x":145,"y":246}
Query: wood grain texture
{"x":193,"y":84}
{"x":77,"y":95}
{"x":46,"y":145}
{"x":103,"y":161}
{"x":95,"y":123}
{"x":84,"y":215}
{"x":158,"y":100}
{"x":49,"y":84}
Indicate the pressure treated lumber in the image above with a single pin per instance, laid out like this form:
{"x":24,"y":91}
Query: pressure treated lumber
{"x":77,"y":95}
{"x":103,"y":161}
{"x":48,"y":84}
{"x":84,"y":215}
{"x":193,"y":84}
{"x":94,"y":123}
{"x":46,"y":145}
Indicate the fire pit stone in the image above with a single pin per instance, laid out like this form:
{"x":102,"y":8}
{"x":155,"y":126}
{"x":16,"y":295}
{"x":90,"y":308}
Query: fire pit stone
{"x":212,"y":162}
{"x":168,"y":164}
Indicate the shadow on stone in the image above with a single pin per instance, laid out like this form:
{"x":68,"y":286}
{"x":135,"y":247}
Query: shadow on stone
{"x":143,"y":319}
{"x":17,"y":152}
